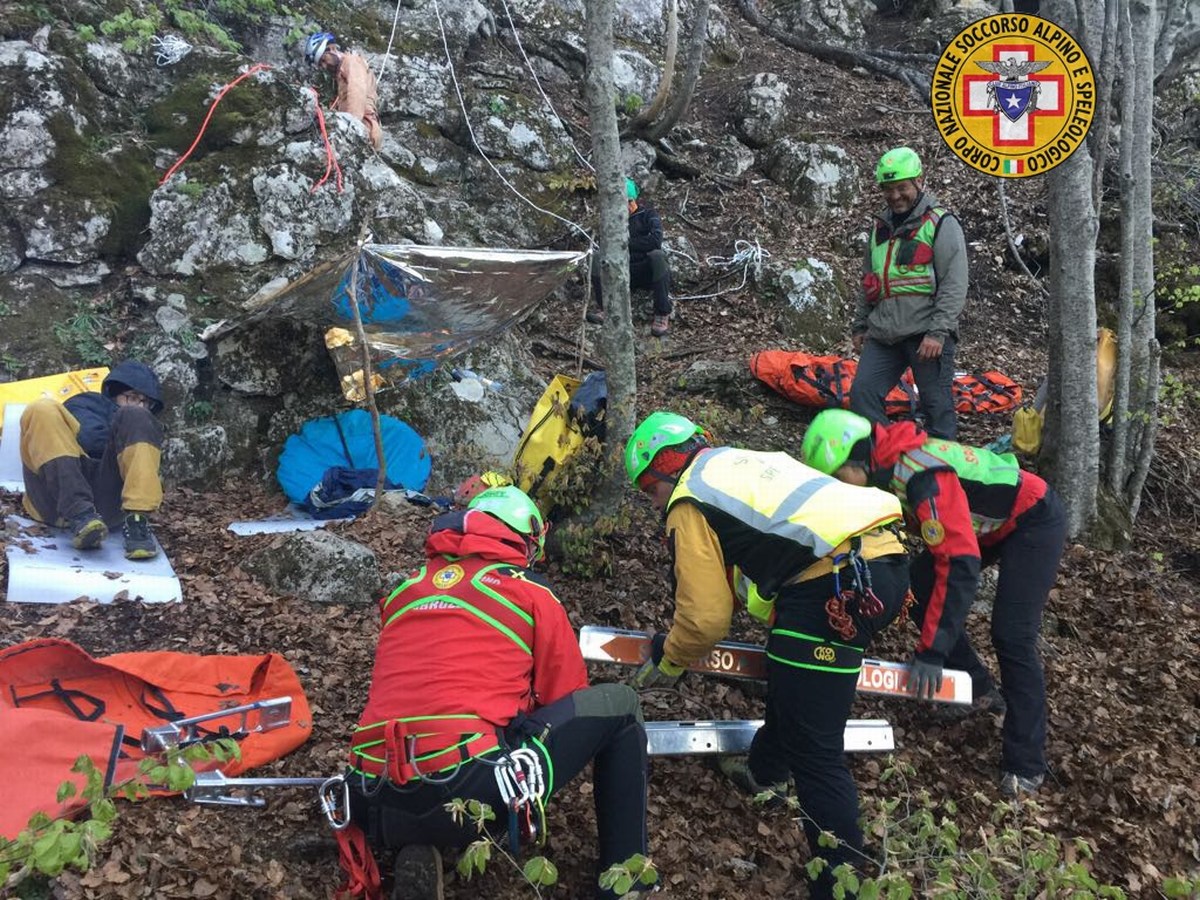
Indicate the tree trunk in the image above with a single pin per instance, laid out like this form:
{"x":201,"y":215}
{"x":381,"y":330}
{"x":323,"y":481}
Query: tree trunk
{"x":616,"y":335}
{"x":1105,"y":73}
{"x":691,"y":74}
{"x":647,"y":115}
{"x":1118,"y":462}
{"x":1143,"y":386}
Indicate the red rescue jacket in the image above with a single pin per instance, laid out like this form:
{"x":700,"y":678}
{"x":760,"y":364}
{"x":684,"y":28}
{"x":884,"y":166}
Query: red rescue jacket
{"x":469,"y":642}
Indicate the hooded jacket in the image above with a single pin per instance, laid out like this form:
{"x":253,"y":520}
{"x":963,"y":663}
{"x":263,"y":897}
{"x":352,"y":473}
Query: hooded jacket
{"x":473,"y":633}
{"x":645,"y":232}
{"x":893,"y":318}
{"x":946,"y":509}
{"x":94,"y":412}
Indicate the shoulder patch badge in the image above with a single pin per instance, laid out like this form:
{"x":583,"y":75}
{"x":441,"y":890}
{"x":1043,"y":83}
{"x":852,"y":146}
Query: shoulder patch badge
{"x":448,"y":576}
{"x":933,"y":532}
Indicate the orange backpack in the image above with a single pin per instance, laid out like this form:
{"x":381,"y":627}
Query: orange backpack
{"x":58,"y":702}
{"x":823,"y":381}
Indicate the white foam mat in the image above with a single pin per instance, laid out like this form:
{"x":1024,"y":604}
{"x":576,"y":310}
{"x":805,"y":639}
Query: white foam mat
{"x":11,"y":478}
{"x":43,"y":567}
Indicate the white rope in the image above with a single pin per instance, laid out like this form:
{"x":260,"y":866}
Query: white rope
{"x":171,"y":49}
{"x":537,"y":81}
{"x":387,"y":54}
{"x":471,"y":130}
{"x":748,"y":255}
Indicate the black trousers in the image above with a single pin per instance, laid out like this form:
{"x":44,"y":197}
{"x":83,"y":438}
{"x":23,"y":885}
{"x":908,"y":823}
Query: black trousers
{"x":1028,"y":560}
{"x":601,"y":724}
{"x":879,"y":369}
{"x":649,"y":271}
{"x":808,"y":703}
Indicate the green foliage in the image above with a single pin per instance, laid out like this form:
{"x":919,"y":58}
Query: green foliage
{"x":86,"y":33}
{"x":497,"y":105}
{"x":1175,"y":394}
{"x":199,"y":411}
{"x":46,"y":847}
{"x":86,"y":333}
{"x":630,"y":104}
{"x":538,"y":871}
{"x":623,"y":877}
{"x":584,"y":549}
{"x":572,"y":180}
{"x":922,"y":852}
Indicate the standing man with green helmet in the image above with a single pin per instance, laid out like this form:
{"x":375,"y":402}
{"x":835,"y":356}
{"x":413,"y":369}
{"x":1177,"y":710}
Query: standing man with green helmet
{"x":971,"y":507}
{"x":914,"y":289}
{"x":820,"y":567}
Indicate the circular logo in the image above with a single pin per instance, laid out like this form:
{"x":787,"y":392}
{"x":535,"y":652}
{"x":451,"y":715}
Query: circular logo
{"x":1013,"y":95}
{"x":448,"y":577}
{"x":825,"y":653}
{"x":933,"y":532}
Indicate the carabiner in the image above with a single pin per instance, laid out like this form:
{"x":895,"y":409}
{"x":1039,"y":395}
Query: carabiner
{"x":339,"y":818}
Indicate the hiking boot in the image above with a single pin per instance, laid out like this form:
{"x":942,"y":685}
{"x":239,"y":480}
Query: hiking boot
{"x":660,"y":325}
{"x":418,"y":873}
{"x":737,"y":770}
{"x":595,"y":315}
{"x":88,"y":531}
{"x":139,"y":539}
{"x":1013,"y":785}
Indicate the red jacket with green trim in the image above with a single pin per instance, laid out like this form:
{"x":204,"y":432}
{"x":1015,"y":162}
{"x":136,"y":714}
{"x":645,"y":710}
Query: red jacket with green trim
{"x":474,"y":633}
{"x":938,"y":505}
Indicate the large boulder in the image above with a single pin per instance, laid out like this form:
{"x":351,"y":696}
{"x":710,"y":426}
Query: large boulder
{"x":762,"y":110}
{"x":820,"y":177}
{"x":812,"y":304}
{"x":317,"y":566}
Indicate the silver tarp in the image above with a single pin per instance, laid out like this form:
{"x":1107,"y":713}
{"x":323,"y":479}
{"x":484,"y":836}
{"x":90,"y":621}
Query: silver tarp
{"x":418,"y":304}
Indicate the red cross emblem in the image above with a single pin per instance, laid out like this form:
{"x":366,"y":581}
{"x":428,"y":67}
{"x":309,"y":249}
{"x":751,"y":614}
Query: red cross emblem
{"x":1007,"y":132}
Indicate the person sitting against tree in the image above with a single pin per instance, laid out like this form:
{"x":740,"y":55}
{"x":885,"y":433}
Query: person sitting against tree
{"x":970,"y":507}
{"x":357,"y":92}
{"x":914,"y":289}
{"x":648,"y":266}
{"x":818,"y":563}
{"x":91,"y":463}
{"x":477,"y":667}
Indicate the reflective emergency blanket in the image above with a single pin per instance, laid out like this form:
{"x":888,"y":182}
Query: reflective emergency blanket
{"x":418,"y":304}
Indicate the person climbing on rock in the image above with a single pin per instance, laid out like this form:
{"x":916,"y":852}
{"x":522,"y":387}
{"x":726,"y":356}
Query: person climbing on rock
{"x":914,"y":289}
{"x":357,"y":93}
{"x":971,"y":507}
{"x":815,"y":560}
{"x":648,"y":266}
{"x":479,"y":683}
{"x":91,"y":464}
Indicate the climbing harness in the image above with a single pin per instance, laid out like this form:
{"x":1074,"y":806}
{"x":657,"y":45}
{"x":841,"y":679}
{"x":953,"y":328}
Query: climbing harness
{"x":859,"y":596}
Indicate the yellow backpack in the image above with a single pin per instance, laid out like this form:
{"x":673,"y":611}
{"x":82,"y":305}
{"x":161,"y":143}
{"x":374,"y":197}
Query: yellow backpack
{"x":551,"y":437}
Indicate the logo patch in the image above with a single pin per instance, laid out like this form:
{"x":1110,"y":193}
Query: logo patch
{"x":825,"y":653}
{"x":448,"y":576}
{"x":933,"y":532}
{"x":1013,"y":95}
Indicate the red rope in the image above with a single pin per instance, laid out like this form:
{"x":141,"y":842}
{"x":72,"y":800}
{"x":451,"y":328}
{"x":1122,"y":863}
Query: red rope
{"x":179,"y":162}
{"x":331,"y":162}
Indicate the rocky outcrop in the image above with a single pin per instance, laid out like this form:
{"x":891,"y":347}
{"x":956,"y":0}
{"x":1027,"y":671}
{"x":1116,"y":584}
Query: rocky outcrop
{"x":318,"y":567}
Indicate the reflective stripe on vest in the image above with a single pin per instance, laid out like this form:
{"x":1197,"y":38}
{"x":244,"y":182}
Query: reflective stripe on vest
{"x":777,"y":495}
{"x":504,"y":615}
{"x":970,"y":464}
{"x":913,"y":279}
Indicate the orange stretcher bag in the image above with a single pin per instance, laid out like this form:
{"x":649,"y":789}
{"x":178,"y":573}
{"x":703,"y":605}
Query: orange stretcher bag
{"x":823,"y":382}
{"x":985,"y":392}
{"x":57,"y":702}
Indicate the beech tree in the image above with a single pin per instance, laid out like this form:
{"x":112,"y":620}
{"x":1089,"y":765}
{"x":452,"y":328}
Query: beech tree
{"x":616,"y":334}
{"x":652,"y":126}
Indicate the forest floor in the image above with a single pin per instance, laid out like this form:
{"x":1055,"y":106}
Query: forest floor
{"x":1119,"y":640}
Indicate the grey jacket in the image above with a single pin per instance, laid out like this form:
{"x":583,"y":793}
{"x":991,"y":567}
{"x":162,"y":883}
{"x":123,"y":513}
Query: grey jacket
{"x":894,"y":319}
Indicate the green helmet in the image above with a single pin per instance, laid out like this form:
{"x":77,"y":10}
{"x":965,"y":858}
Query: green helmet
{"x":658,"y":430}
{"x":898,"y":164}
{"x":631,"y":190}
{"x":831,"y":437}
{"x":512,"y":506}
